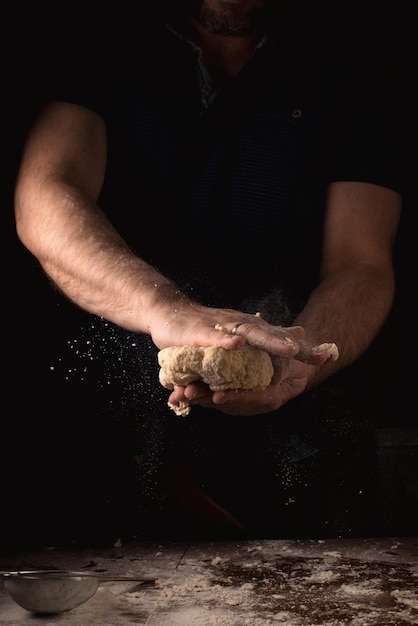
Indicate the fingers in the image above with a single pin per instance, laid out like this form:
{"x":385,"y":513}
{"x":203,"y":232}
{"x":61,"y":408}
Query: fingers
{"x":317,"y":354}
{"x":286,"y":342}
{"x":272,"y":339}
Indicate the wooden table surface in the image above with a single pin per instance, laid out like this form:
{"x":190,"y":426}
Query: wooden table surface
{"x":356,"y":582}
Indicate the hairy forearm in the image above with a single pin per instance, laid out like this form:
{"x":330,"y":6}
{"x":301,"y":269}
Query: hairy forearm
{"x":349,"y":307}
{"x":86,"y":258}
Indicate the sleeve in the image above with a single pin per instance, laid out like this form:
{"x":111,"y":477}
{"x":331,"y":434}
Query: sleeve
{"x":372,"y":147}
{"x":369,"y":131}
{"x":362,"y":69}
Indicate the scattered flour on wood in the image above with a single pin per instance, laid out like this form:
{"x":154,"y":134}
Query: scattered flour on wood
{"x":366,"y":589}
{"x":322,"y":576}
{"x":407,"y":597}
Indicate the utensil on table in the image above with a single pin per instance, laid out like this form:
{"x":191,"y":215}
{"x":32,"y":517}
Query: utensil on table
{"x":57,"y":591}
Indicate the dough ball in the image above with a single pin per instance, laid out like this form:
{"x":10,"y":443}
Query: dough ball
{"x":244,"y":368}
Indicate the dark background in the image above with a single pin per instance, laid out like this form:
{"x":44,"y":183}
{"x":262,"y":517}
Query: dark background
{"x":61,"y":479}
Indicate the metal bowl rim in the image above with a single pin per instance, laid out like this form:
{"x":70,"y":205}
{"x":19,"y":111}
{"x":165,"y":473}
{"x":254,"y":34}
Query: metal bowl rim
{"x":50,"y":574}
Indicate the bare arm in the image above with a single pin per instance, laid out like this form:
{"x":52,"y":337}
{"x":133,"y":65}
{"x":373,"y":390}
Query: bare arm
{"x":59,"y":221}
{"x":357,"y":284}
{"x":349,"y":305}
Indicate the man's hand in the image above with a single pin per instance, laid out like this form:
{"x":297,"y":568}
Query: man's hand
{"x":290,"y":380}
{"x":184,"y":323}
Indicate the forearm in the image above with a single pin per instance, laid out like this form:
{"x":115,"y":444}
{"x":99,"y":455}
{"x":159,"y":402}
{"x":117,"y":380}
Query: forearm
{"x":86,"y":258}
{"x":349,"y":307}
{"x":91,"y":264}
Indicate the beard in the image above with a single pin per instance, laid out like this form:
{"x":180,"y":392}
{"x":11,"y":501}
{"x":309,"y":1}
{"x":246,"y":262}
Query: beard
{"x":228,"y":18}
